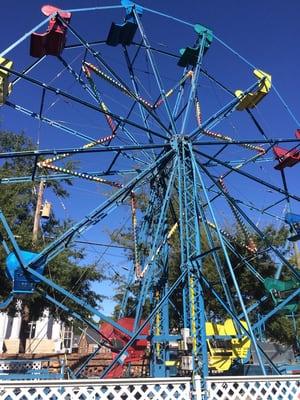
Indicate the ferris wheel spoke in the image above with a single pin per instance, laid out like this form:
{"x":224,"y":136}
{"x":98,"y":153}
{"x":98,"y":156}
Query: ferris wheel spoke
{"x":227,"y":259}
{"x":201,"y":41}
{"x":99,"y":58}
{"x":80,"y":101}
{"x":221,"y":114}
{"x":247,"y":175}
{"x":155,"y":71}
{"x":295,"y":273}
{"x":28,"y":69}
{"x":119,"y":125}
{"x":233,"y":316}
{"x":136,"y":92}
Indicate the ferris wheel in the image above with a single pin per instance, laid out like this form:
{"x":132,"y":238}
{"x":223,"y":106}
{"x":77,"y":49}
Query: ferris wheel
{"x":154,"y":125}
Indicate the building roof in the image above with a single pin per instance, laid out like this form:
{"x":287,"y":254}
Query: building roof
{"x":278,"y":353}
{"x":91,"y":336}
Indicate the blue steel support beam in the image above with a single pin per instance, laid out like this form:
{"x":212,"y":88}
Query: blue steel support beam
{"x":28,"y":69}
{"x":143,"y":325}
{"x":59,"y":177}
{"x":80,"y":150}
{"x":100,"y":212}
{"x":18,"y":253}
{"x":54,"y":248}
{"x":247,"y":175}
{"x":219,"y":115}
{"x":160,"y":353}
{"x":190,"y":246}
{"x":82,"y":367}
{"x":136,"y":92}
{"x":231,"y":313}
{"x":24,"y":37}
{"x":155,"y":71}
{"x":179,"y":97}
{"x":102,"y":61}
{"x":276,"y":309}
{"x":194,"y":83}
{"x":62,"y":127}
{"x":270,"y":141}
{"x":255,"y":228}
{"x":88,"y":9}
{"x":157,"y":240}
{"x":104,"y":342}
{"x":6,"y":302}
{"x":79,"y":101}
{"x":252,"y":207}
{"x":216,"y":257}
{"x":49,"y":121}
{"x":228,"y":262}
{"x":87,"y":88}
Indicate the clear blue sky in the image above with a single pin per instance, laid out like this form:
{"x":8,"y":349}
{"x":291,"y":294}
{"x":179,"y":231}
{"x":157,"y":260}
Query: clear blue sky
{"x":264,"y":32}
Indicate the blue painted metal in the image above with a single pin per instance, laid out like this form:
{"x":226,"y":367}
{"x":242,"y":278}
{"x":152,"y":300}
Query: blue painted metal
{"x":276,"y":309}
{"x":155,"y":247}
{"x":193,"y":301}
{"x":22,"y":282}
{"x":102,"y":61}
{"x":294,"y":221}
{"x":136,"y":92}
{"x":230,"y":268}
{"x":149,"y":318}
{"x":5,"y":303}
{"x":232,"y":314}
{"x":30,"y":263}
{"x":249,"y":176}
{"x":155,"y":71}
{"x":216,"y":257}
{"x":59,"y":177}
{"x":176,"y":173}
{"x":201,"y":43}
{"x":82,"y":102}
{"x":88,"y":9}
{"x":81,"y":369}
{"x":220,"y":115}
{"x":18,"y":370}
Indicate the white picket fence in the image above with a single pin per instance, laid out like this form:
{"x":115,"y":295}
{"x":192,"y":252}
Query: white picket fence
{"x":221,"y":388}
{"x":283,"y":387}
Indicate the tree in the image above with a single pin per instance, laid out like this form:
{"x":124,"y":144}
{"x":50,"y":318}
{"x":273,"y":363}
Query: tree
{"x":18,"y":203}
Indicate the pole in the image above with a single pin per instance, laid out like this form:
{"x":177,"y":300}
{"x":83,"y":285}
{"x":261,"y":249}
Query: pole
{"x":297,"y":254}
{"x":37,"y":215}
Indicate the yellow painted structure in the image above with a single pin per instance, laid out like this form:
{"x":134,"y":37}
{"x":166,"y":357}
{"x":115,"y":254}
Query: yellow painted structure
{"x":223,"y":353}
{"x":5,"y":86}
{"x":250,"y":100}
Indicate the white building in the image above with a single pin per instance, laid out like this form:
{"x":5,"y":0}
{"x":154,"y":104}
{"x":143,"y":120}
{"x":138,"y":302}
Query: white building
{"x":46,"y":335}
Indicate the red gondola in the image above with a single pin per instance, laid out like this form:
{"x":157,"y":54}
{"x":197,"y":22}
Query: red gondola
{"x":287,"y":158}
{"x":52,"y":42}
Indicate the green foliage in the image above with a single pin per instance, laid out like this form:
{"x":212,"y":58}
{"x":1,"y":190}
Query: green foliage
{"x":18,"y":203}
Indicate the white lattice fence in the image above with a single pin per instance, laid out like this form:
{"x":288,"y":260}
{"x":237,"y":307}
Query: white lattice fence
{"x":7,"y":365}
{"x":125,"y":389}
{"x":221,"y":388}
{"x":254,"y":388}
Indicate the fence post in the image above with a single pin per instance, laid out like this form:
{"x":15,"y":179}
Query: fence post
{"x":197,"y":389}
